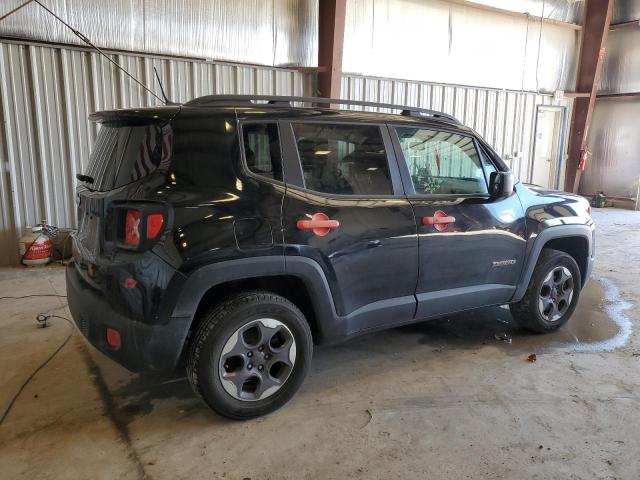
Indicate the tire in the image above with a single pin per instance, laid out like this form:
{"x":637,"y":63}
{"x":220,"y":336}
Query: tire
{"x":542,"y":309}
{"x":247,"y":322}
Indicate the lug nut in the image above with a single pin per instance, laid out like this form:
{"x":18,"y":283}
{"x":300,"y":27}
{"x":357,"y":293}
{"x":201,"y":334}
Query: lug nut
{"x":267,"y":356}
{"x":260,"y":348}
{"x":250,"y":366}
{"x":260,"y":367}
{"x":249,"y":354}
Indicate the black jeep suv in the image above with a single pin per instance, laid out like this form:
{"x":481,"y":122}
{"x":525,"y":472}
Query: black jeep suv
{"x":230,"y":234}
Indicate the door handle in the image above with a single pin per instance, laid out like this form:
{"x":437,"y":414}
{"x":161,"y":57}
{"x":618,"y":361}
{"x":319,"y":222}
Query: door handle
{"x":440,"y":220}
{"x":319,"y":223}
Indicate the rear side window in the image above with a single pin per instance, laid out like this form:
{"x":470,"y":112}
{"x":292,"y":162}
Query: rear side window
{"x":125,"y":154}
{"x":441,"y":162}
{"x":343,"y":159}
{"x":262,"y":149}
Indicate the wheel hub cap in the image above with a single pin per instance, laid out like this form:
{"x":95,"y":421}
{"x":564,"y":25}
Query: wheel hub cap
{"x":257,"y":359}
{"x":555,"y":294}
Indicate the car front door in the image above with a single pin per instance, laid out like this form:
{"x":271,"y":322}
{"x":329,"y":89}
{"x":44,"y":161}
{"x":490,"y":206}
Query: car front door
{"x":471,"y":246}
{"x":345,"y":209}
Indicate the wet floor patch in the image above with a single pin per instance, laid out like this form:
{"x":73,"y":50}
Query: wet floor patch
{"x":599,"y":323}
{"x":137,"y":397}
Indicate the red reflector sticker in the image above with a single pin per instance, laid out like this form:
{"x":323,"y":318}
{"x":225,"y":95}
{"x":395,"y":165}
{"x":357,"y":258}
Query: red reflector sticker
{"x":113,"y":337}
{"x":154,"y":225}
{"x":130,"y":283}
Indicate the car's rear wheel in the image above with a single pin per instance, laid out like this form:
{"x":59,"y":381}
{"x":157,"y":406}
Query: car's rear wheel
{"x":552,"y":294}
{"x":250,"y":354}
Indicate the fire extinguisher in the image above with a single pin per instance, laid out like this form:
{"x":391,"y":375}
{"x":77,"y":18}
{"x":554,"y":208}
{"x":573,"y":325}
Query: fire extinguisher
{"x":35,"y":246}
{"x":582,"y":163}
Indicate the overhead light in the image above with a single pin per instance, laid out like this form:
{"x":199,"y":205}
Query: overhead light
{"x":322,"y":152}
{"x":371,"y":169}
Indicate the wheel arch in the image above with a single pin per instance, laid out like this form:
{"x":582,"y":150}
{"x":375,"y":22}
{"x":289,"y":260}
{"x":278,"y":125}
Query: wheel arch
{"x":575,"y":240}
{"x":303,"y":283}
{"x":575,"y":246}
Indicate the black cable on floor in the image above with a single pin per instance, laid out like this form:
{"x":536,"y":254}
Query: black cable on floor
{"x":42,"y":365}
{"x":35,"y":295}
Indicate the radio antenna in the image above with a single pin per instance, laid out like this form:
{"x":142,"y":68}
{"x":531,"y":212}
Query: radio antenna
{"x":166,"y":100}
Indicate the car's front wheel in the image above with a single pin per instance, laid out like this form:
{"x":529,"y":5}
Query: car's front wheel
{"x":250,"y":354}
{"x":552,"y":294}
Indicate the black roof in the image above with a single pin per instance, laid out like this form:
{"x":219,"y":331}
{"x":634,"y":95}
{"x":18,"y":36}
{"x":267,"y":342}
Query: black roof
{"x":292,"y":102}
{"x":280,"y":107}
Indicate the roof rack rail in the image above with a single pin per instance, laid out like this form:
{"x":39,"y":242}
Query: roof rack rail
{"x":232,"y":100}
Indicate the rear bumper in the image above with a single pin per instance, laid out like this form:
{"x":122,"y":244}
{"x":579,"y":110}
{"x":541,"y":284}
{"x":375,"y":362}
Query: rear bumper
{"x":144,"y":347}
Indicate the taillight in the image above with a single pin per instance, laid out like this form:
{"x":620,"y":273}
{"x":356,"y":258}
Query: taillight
{"x":142,"y":225}
{"x":132,"y":228}
{"x":154,"y":225}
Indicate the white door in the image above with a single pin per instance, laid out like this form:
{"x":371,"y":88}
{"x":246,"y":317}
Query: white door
{"x":547,"y":146}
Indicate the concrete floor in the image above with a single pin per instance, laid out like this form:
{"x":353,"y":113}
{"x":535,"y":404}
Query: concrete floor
{"x":449,"y":399}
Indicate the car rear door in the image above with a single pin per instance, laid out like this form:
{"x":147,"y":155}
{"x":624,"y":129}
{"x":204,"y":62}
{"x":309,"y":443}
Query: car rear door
{"x":471,"y":246}
{"x":345,"y":209}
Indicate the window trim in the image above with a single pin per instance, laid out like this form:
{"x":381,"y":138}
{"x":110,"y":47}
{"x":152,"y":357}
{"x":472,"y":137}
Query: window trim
{"x":243,"y":158}
{"x":404,"y":168}
{"x":296,"y":180}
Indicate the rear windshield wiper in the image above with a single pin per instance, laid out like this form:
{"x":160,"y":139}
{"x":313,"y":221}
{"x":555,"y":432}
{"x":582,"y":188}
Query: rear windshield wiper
{"x":84,"y":178}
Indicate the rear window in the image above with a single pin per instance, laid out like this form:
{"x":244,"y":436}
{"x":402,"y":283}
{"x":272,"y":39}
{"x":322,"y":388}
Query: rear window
{"x":125,"y":154}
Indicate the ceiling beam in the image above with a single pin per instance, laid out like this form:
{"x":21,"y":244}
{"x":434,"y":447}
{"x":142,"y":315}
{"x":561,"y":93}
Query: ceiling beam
{"x":595,"y":28}
{"x":331,"y":16}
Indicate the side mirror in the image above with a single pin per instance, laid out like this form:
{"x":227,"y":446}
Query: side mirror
{"x":501,"y":184}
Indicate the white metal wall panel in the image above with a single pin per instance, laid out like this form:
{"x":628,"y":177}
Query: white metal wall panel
{"x":615,"y":140}
{"x":46,"y":95}
{"x":266,"y":32}
{"x":455,"y":43}
{"x":505,"y":119}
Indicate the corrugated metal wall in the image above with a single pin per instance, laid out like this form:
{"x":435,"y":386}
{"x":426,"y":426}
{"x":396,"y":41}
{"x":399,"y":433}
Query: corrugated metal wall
{"x":266,"y":32}
{"x":504,"y":118}
{"x":614,"y":137}
{"x":46,"y":95}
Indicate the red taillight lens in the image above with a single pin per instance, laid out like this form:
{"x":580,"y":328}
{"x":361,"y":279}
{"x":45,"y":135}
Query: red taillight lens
{"x":154,"y":225}
{"x":113,"y":338}
{"x":132,"y":228}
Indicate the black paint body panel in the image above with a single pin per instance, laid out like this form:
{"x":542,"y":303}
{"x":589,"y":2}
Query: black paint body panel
{"x":381,"y":268}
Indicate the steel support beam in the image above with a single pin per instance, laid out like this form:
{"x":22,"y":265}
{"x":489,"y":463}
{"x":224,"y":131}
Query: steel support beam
{"x":595,"y":28}
{"x":331,"y":15}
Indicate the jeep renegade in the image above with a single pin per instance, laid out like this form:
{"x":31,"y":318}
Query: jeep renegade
{"x":231,"y":234}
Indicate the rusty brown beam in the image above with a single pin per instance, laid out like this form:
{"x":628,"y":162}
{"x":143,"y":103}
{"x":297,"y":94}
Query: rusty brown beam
{"x":595,"y":28}
{"x":331,"y":15}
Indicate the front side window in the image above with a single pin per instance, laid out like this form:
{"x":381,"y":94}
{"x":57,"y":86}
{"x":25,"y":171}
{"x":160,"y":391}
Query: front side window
{"x":442,"y":162}
{"x":262,"y":149}
{"x":343,"y":159}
